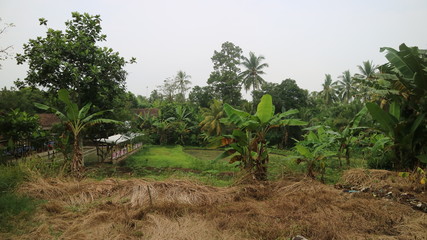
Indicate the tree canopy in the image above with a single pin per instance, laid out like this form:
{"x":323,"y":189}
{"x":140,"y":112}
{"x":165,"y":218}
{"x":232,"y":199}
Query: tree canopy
{"x":225,"y":77}
{"x":71,"y":59}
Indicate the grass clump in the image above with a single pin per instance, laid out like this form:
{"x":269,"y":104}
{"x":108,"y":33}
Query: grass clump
{"x":14,"y":208}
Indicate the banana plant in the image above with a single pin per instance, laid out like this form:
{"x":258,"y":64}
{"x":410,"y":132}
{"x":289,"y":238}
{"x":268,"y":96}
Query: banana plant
{"x":315,"y":149}
{"x":347,"y":137}
{"x":404,"y":122}
{"x":248,"y":141}
{"x":76,"y":120}
{"x":408,"y":142}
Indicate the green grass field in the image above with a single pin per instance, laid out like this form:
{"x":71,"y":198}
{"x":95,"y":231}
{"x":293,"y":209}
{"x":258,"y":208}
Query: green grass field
{"x":167,"y":162}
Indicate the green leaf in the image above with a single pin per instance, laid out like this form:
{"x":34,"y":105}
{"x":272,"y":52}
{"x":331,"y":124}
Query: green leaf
{"x":84,"y":110}
{"x":225,"y":154}
{"x":293,"y":122}
{"x":240,"y":136}
{"x":417,"y":123}
{"x":395,"y":110}
{"x":384,"y":118}
{"x":422,"y":158}
{"x":265,"y":109}
{"x":398,"y":61}
{"x":304,"y":151}
{"x":356,"y":120}
{"x":236,"y":116}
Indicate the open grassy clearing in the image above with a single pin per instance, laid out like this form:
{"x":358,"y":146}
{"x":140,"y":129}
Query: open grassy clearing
{"x":164,"y":162}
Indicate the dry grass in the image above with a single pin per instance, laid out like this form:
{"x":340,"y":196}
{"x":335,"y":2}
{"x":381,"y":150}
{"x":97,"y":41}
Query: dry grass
{"x":139,"y":209}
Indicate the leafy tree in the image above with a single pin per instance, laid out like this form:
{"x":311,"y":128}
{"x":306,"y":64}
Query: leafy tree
{"x":286,"y":95}
{"x":143,"y":102}
{"x":155,"y":96}
{"x":329,"y":91}
{"x":19,"y":129}
{"x":77,"y":120}
{"x":225,"y":77}
{"x":168,"y":89}
{"x":5,"y":51}
{"x":202,"y":96}
{"x":71,"y":59}
{"x":248,"y":139}
{"x":182,"y":80}
{"x":346,"y":87}
{"x":23,"y":99}
{"x":251,"y":77}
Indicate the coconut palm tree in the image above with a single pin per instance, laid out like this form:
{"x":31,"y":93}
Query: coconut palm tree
{"x":367,"y":69}
{"x":346,"y":87}
{"x":76,"y":121}
{"x":211,"y":123}
{"x":182,"y":80}
{"x":365,"y":80}
{"x":329,"y":92}
{"x":251,"y":77}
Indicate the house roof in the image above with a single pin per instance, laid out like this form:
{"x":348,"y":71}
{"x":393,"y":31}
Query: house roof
{"x":47,"y":120}
{"x":119,"y":138}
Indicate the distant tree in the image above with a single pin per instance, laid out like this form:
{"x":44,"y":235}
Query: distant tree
{"x":211,"y":123}
{"x":71,"y":59}
{"x":143,"y":102}
{"x":202,"y":96}
{"x":155,"y":96}
{"x":346,"y":87}
{"x":251,"y":77}
{"x":329,"y":91}
{"x":182,"y":80}
{"x":286,"y":95}
{"x":5,"y":51}
{"x":225,"y":77}
{"x":365,"y":80}
{"x":22,"y":99}
{"x":168,"y":89}
{"x":367,"y":69}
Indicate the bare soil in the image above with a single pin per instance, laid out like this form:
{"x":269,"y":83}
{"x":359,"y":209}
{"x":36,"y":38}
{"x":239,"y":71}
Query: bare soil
{"x":142,"y":209}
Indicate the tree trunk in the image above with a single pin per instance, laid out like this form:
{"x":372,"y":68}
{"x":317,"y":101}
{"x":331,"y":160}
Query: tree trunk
{"x":347,"y":155}
{"x":77,"y":162}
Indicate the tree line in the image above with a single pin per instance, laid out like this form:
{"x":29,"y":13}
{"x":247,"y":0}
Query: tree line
{"x":379,"y":111}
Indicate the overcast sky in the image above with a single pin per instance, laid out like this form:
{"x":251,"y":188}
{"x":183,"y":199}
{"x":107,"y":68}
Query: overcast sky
{"x":301,"y":40}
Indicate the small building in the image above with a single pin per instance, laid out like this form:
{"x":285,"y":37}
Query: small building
{"x":116,"y":146}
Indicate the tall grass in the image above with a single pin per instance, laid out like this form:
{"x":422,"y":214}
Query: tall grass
{"x":14,"y":208}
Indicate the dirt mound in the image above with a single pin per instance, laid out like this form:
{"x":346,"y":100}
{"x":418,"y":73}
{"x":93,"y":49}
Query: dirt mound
{"x":140,"y":209}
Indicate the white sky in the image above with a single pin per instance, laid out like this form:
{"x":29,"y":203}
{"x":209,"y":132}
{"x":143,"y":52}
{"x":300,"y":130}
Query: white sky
{"x":302,"y":39}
